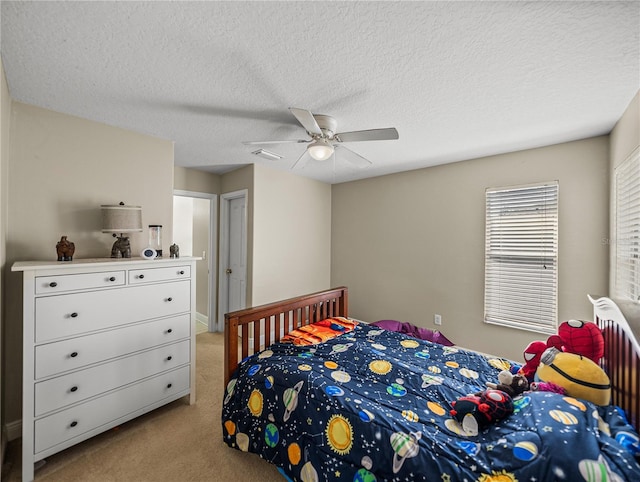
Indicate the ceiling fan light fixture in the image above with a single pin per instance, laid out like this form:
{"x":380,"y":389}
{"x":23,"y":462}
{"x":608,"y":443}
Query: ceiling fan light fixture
{"x":320,"y":150}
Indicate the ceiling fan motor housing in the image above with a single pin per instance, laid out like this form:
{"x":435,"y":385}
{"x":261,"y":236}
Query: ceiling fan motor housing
{"x":328,"y":125}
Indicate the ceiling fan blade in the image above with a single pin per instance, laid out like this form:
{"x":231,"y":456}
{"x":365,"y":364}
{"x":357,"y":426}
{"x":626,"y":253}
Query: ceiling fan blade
{"x":352,"y":157}
{"x":296,"y":141}
{"x":307,"y":120}
{"x":302,"y":160}
{"x":388,"y":134}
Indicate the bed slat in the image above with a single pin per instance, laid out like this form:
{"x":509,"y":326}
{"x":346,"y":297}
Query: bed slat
{"x":294,"y":313}
{"x":621,"y":359}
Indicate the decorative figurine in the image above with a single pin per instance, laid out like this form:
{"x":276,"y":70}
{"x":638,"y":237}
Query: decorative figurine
{"x":65,"y":249}
{"x":121,"y":248}
{"x":174,"y":250}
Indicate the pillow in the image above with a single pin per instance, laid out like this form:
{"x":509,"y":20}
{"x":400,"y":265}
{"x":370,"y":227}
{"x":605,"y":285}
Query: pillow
{"x":434,"y":336}
{"x":391,"y":325}
{"x":414,"y":331}
{"x":320,"y":331}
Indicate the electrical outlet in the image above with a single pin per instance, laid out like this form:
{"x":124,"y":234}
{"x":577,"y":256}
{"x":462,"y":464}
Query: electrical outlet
{"x":437,"y":319}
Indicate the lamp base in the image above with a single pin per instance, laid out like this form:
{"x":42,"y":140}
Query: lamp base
{"x":121,"y":248}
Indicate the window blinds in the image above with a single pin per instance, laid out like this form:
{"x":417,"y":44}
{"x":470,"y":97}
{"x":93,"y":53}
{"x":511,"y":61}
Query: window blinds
{"x":521,"y":257}
{"x":627,"y":219}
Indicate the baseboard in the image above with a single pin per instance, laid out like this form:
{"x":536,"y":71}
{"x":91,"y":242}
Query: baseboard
{"x":3,"y":445}
{"x":13,"y":430}
{"x":200,"y":318}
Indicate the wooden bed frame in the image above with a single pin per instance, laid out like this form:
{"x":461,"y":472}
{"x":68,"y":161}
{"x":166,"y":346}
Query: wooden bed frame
{"x":621,"y":359}
{"x":251,"y":330}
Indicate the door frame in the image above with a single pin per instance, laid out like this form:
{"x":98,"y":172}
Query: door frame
{"x":213,"y":242}
{"x":223,"y":284}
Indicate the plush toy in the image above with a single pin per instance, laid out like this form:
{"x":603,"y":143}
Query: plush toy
{"x":579,"y":337}
{"x":574,"y":336}
{"x":578,"y":375}
{"x":475,"y":412}
{"x":511,"y":384}
{"x":547,"y":387}
{"x":532,"y":354}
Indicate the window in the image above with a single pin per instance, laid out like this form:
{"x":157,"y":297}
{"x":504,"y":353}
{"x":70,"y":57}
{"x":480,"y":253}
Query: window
{"x":627,"y":228}
{"x":521,"y":257}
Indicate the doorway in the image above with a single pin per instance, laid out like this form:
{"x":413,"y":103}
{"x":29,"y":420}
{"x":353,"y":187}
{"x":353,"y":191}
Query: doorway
{"x":233,"y":254}
{"x":195,"y":231}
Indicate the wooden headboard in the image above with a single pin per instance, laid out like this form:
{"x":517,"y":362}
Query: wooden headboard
{"x":621,"y":359}
{"x":250,"y":330}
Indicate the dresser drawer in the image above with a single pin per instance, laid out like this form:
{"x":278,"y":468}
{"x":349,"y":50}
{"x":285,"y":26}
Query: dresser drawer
{"x":74,"y":353}
{"x":77,"y":420}
{"x":77,"y":386}
{"x":70,"y":282}
{"x":76,"y":313}
{"x":151,"y":275}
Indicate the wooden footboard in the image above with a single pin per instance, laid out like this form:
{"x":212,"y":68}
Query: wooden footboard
{"x":621,"y":357}
{"x":250,"y":330}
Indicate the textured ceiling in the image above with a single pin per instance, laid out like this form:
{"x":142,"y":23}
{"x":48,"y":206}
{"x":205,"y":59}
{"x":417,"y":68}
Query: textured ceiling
{"x":459,"y":80}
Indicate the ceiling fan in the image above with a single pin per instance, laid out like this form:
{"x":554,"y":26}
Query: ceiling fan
{"x":325,"y":140}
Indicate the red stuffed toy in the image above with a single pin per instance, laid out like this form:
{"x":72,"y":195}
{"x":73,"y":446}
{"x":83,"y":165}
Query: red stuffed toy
{"x":579,"y":337}
{"x":574,"y":336}
{"x":532,"y":354}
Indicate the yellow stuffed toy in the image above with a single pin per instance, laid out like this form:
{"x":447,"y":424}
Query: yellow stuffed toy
{"x":578,"y":375}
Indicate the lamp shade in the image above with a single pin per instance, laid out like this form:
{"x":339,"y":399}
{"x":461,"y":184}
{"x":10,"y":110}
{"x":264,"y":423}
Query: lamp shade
{"x":121,"y":219}
{"x":320,"y":150}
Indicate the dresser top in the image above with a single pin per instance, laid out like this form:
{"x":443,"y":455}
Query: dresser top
{"x":99,"y":262}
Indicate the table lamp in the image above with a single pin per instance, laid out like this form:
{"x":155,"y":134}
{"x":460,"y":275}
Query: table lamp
{"x":121,"y":220}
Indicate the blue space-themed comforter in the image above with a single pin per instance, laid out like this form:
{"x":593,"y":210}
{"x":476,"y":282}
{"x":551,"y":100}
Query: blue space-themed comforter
{"x":374,"y":405}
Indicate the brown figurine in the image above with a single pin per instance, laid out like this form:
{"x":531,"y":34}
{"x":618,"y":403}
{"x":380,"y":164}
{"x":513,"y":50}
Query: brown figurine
{"x":174,"y":250}
{"x":121,"y":248}
{"x":65,"y":249}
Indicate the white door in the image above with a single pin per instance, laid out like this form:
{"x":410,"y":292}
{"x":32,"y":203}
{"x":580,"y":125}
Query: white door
{"x":237,"y":265}
{"x":233,"y":254}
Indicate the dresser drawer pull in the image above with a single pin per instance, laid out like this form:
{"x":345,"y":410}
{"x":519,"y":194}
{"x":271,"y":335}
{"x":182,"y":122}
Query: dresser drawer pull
{"x":113,"y":278}
{"x":53,"y":284}
{"x":73,"y":389}
{"x":73,"y":424}
{"x":140,"y":276}
{"x":169,"y":330}
{"x":74,"y":354}
{"x":74,"y":315}
{"x":169,"y":358}
{"x":169,"y":299}
{"x":169,"y":385}
{"x":181,"y":271}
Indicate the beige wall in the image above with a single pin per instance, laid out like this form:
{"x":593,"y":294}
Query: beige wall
{"x":625,"y":136}
{"x":410,"y":245}
{"x":62,"y":168}
{"x":291,"y":235}
{"x":288,"y":229}
{"x":185,"y":179}
{"x":5,"y":117}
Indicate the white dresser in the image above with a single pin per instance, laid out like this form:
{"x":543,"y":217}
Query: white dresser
{"x":105,"y":340}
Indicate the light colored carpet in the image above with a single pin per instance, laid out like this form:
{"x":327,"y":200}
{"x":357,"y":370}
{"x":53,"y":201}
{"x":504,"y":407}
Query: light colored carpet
{"x":177,"y":442}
